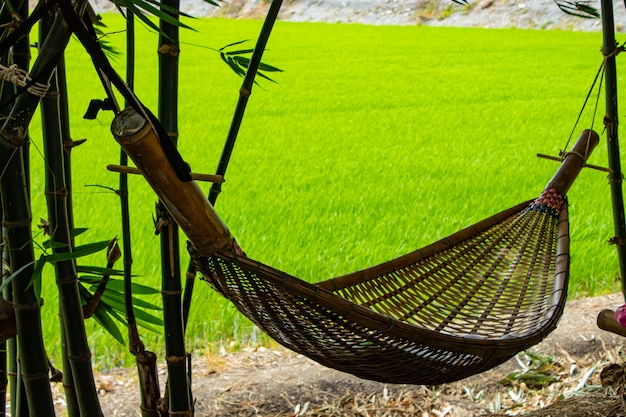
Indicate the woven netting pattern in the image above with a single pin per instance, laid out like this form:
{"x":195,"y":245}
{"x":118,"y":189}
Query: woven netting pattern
{"x":483,"y":295}
{"x":496,"y":283}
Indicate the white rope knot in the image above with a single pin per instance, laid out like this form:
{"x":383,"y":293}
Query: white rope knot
{"x":13,"y":74}
{"x":20,"y":78}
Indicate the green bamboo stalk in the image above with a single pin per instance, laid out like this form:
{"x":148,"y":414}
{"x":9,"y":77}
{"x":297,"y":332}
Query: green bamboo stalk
{"x":609,"y":46}
{"x":180,"y":398}
{"x":78,"y":354}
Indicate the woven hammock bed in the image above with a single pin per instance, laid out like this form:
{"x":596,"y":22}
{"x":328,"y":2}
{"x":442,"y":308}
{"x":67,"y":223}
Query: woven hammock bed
{"x":455,"y":308}
{"x":452,"y":309}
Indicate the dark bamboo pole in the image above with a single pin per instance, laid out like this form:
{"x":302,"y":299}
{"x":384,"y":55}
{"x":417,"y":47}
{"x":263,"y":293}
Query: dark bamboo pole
{"x":244,"y":95}
{"x":31,"y":372}
{"x":20,"y":55}
{"x":52,"y":127}
{"x":33,"y":360}
{"x":178,"y":389}
{"x":146,"y":361}
{"x":7,"y":361}
{"x":78,"y":353}
{"x":609,"y":48}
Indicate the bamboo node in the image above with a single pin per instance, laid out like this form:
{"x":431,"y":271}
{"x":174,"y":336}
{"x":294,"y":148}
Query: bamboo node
{"x":171,"y":292}
{"x":176,"y":359}
{"x":184,"y":413}
{"x":169,"y":50}
{"x":616,"y":240}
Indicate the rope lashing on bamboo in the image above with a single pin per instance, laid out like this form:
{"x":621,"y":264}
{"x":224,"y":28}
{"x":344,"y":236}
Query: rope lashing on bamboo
{"x":20,"y":78}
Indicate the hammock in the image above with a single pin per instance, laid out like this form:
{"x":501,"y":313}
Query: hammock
{"x":455,"y":308}
{"x":450,"y":310}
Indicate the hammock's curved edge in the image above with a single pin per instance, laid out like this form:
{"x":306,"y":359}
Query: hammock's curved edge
{"x":506,"y":346}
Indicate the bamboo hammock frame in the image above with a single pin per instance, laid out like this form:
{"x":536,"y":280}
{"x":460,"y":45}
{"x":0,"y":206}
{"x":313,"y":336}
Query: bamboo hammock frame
{"x":447,"y":311}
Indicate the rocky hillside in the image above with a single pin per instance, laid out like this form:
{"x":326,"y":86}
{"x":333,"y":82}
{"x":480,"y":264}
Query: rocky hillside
{"x":535,"y":14}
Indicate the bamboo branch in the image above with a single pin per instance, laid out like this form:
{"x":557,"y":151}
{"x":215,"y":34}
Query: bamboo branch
{"x":196,"y":177}
{"x":113,"y":254}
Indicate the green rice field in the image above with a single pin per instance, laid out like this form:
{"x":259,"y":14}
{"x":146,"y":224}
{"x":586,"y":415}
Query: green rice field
{"x":373,"y":142}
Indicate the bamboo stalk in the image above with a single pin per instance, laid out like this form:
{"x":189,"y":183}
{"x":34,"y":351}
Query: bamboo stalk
{"x":609,"y":46}
{"x":17,"y":223}
{"x":178,"y":387}
{"x":30,"y":388}
{"x":71,"y":314}
{"x":8,"y":363}
{"x":51,"y":114}
{"x":244,"y":94}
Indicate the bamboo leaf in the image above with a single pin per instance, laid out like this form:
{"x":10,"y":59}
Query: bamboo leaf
{"x":260,"y":74}
{"x":143,"y":318}
{"x":234,"y":65}
{"x":242,"y":60}
{"x":116,"y":300}
{"x":96,"y":270}
{"x":89,"y":248}
{"x":41,"y":262}
{"x":104,"y":319}
{"x":80,"y":251}
{"x":118,"y":297}
{"x":169,"y":9}
{"x":580,"y":9}
{"x":268,"y":68}
{"x":140,"y":7}
{"x":163,"y":15}
{"x":118,"y":285}
{"x":14,"y":275}
{"x":139,"y":314}
{"x":137,"y":12}
{"x":233,"y":44}
{"x":214,"y":3}
{"x":241,"y":51}
{"x":49,"y":244}
{"x":78,"y":231}
{"x":239,"y":63}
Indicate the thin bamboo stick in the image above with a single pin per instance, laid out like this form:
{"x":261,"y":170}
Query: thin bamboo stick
{"x":194,"y":176}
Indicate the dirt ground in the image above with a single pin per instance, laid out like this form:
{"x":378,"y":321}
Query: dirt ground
{"x":276,"y":382}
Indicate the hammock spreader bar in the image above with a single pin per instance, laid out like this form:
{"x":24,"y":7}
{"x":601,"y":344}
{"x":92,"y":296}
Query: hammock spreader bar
{"x":457,"y":307}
